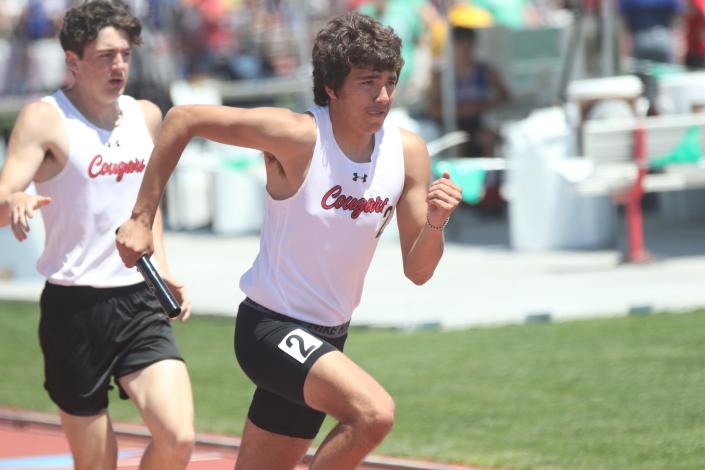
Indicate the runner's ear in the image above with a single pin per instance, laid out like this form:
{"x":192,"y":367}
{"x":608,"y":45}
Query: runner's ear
{"x":71,"y":60}
{"x":330,"y":92}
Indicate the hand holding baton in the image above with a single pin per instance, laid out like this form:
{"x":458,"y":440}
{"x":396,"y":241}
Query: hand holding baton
{"x":158,"y":287}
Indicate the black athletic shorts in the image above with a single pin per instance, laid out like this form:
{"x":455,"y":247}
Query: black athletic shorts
{"x":89,"y":335}
{"x":276,"y":352}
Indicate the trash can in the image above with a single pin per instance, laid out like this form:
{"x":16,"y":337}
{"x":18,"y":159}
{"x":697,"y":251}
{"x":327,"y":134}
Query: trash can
{"x":239,"y":193}
{"x":546,"y":212}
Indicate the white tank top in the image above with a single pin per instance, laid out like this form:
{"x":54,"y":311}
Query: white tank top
{"x":91,"y":196}
{"x":316,"y":246}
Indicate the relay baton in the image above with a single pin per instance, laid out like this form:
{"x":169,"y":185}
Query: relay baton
{"x":158,"y":287}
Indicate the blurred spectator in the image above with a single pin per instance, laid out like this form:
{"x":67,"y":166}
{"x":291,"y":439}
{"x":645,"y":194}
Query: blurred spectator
{"x":206,"y":37}
{"x":154,"y":64}
{"x":650,"y":38}
{"x":36,"y":22}
{"x":32,"y":62}
{"x":479,"y":88}
{"x":251,"y":24}
{"x":278,"y":38}
{"x":695,"y":35}
{"x":461,"y":14}
{"x":650,"y":27}
{"x":513,"y":14}
{"x":410,"y":20}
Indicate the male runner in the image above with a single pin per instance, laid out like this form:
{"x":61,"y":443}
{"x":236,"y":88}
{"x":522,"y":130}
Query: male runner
{"x":335,"y":176}
{"x":86,"y":148}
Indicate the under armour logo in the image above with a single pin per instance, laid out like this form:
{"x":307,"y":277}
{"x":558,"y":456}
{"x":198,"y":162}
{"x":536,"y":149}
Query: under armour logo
{"x":357,"y":177}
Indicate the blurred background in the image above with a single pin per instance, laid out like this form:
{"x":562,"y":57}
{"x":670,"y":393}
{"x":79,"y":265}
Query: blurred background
{"x":533,"y":106}
{"x":576,"y":131}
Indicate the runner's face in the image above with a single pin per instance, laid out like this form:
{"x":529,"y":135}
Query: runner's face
{"x":105,"y":64}
{"x":367,"y":96}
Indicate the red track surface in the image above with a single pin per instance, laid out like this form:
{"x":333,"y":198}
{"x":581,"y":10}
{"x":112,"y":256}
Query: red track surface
{"x":31,"y":441}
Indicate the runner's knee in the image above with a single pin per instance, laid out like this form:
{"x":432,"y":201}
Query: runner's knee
{"x":178,"y":444}
{"x":375,"y":418}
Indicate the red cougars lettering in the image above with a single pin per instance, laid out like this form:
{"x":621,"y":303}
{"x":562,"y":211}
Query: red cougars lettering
{"x":98,"y":168}
{"x":334,"y":199}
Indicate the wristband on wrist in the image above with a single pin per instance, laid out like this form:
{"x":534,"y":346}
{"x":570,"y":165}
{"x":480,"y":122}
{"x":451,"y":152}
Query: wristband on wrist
{"x":437,"y":227}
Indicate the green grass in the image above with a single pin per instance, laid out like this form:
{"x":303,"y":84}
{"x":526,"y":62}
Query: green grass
{"x":623,"y":393}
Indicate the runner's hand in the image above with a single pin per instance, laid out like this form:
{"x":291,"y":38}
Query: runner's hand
{"x":133,"y":239}
{"x":179,"y":291}
{"x":443,"y":197}
{"x":22,"y":207}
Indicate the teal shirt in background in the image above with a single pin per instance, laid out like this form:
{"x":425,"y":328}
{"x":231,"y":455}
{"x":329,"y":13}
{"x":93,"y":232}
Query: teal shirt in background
{"x":509,"y":13}
{"x":403,"y":16}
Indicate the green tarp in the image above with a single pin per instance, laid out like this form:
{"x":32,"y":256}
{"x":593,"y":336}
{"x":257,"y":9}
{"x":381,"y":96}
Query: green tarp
{"x":466,"y":173}
{"x":688,"y":150}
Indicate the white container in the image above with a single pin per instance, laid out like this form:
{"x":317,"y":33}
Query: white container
{"x":239,"y":191}
{"x":189,"y":193}
{"x":545,"y":211}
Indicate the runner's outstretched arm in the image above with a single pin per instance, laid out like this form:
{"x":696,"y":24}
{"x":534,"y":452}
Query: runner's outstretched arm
{"x":423,"y":212}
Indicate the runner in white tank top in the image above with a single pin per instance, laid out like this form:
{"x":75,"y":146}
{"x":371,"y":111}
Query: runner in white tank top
{"x":104,"y":169}
{"x":86,"y":148}
{"x":334,"y":177}
{"x":341,"y":209}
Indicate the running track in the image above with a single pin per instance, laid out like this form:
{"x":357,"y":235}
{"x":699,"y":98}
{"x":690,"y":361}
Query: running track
{"x":33,"y":441}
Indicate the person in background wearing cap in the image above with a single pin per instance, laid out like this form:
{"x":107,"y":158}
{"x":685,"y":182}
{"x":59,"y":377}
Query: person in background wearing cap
{"x":479,"y":88}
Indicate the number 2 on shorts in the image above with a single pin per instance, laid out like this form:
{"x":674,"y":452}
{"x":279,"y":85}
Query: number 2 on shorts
{"x":299,"y":344}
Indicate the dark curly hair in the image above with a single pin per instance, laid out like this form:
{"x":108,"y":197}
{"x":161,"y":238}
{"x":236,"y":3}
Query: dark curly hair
{"x":352,"y":40}
{"x":82,"y":23}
